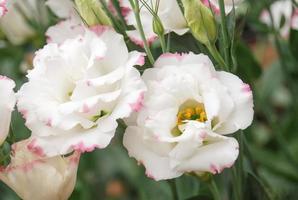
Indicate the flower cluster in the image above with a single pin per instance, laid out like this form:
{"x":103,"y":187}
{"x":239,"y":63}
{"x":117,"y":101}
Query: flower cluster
{"x":179,"y":112}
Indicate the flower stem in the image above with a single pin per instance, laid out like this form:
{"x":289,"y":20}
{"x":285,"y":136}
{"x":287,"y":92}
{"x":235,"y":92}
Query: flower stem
{"x":214,"y":190}
{"x":224,"y":31}
{"x":163,"y":43}
{"x":173,"y":187}
{"x":216,"y":55}
{"x":168,"y":42}
{"x":237,"y":170}
{"x":136,"y":9}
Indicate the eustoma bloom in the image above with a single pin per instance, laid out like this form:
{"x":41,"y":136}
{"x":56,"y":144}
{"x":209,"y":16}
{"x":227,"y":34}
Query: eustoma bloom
{"x":35,"y":177}
{"x":229,"y":4}
{"x":77,"y":91}
{"x":3,"y":7}
{"x":15,"y":23}
{"x":70,"y":25}
{"x":188,"y":109}
{"x":282,"y":10}
{"x":168,"y":12}
{"x":7,"y":104}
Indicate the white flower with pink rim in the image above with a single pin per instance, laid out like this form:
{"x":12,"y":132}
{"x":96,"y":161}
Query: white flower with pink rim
{"x":170,"y":15}
{"x":229,"y":5}
{"x":281,"y":10}
{"x":34,"y":177}
{"x":3,"y":7}
{"x":188,"y":110}
{"x":78,"y":90}
{"x":7,"y":104}
{"x":168,"y":11}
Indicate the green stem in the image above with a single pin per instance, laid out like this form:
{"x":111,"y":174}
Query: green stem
{"x":235,"y":184}
{"x":214,"y":190}
{"x":168,"y":42}
{"x":237,"y":170}
{"x":163,"y":43}
{"x":136,"y":9}
{"x":173,"y":187}
{"x":240,"y":162}
{"x":224,"y":31}
{"x":216,"y":55}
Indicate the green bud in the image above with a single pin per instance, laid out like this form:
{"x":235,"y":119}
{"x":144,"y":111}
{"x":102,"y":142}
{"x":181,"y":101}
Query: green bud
{"x":200,"y":21}
{"x":158,"y":28}
{"x":92,"y":12}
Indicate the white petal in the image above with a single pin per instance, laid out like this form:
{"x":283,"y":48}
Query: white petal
{"x":241,"y":94}
{"x":62,"y":8}
{"x":213,"y":157}
{"x":150,"y":153}
{"x":7,"y":104}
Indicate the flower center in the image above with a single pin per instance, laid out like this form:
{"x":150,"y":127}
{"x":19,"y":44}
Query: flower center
{"x":189,"y":110}
{"x":192,"y":113}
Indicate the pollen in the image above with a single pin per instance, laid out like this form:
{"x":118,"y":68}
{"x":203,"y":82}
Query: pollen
{"x":192,"y":113}
{"x":189,"y":110}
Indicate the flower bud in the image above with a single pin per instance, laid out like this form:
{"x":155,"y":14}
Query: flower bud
{"x":33,"y":176}
{"x":92,"y":13}
{"x":158,"y":28}
{"x":200,"y":21}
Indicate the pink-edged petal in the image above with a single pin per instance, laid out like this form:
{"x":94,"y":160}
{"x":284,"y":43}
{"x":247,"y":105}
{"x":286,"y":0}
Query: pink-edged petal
{"x":135,"y":37}
{"x":218,"y":153}
{"x":243,"y":113}
{"x":67,"y":29}
{"x":86,"y":141}
{"x":150,"y":153}
{"x":34,"y":177}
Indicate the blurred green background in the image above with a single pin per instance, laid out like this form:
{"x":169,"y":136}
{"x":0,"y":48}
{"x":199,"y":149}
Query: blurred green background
{"x":268,"y":62}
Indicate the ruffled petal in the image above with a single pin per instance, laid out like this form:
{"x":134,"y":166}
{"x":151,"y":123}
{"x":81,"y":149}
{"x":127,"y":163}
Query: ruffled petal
{"x":7,"y":104}
{"x":242,"y":114}
{"x":150,"y":153}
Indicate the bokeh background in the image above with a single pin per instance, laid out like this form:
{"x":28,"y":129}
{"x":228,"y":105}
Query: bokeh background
{"x":267,"y":61}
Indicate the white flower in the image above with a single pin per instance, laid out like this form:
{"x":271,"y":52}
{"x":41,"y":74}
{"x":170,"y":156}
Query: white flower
{"x":15,"y":26}
{"x":62,"y":8}
{"x":65,"y":29}
{"x":3,"y":7}
{"x":188,"y":109}
{"x":34,"y":177}
{"x":7,"y":104}
{"x":77,"y":91}
{"x":169,"y":13}
{"x":228,"y":4}
{"x":70,"y":27}
{"x":281,"y":9}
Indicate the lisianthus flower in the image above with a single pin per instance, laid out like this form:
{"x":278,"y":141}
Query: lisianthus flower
{"x":281,"y":9}
{"x":169,"y":13}
{"x":34,"y":177}
{"x":15,"y":24}
{"x":3,"y":7}
{"x":7,"y":104}
{"x":78,"y":89}
{"x":70,"y":25}
{"x":188,"y":110}
{"x":62,"y":8}
{"x":229,"y":4}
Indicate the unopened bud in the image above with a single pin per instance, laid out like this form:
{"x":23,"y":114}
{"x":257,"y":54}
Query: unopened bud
{"x":92,"y":12}
{"x":200,"y":21}
{"x":158,"y":28}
